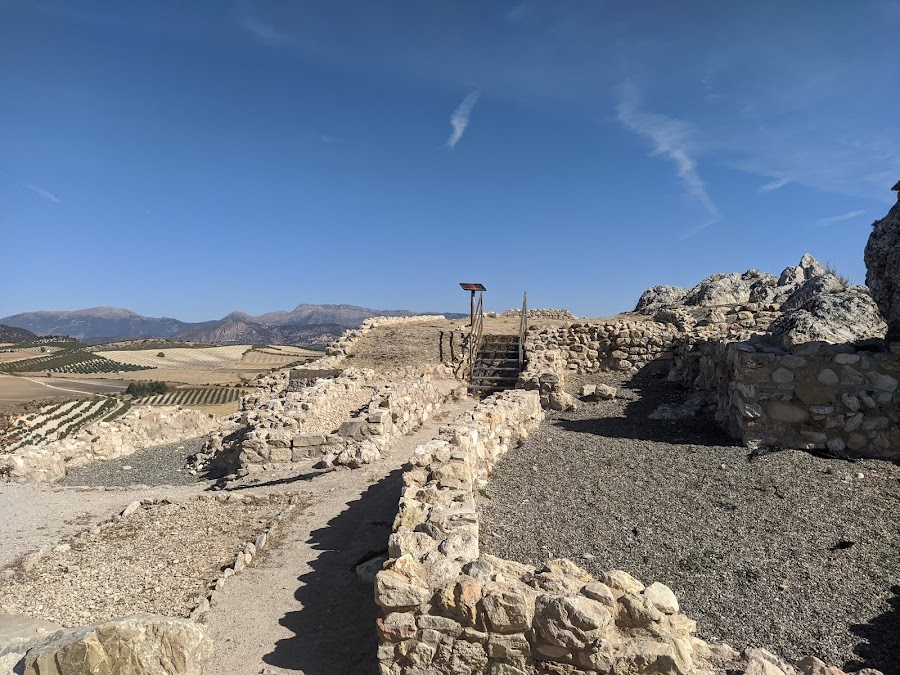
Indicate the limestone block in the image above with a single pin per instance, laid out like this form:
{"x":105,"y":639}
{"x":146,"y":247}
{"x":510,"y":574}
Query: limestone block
{"x":353,"y":428}
{"x":508,"y":610}
{"x":621,"y":582}
{"x":396,"y":626}
{"x":137,"y":645}
{"x":570,"y":622}
{"x":815,"y":394}
{"x":280,"y":454}
{"x":662,"y":598}
{"x":785,"y":412}
{"x":307,"y":439}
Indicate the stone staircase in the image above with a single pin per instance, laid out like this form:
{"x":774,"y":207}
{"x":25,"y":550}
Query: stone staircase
{"x":496,"y":365}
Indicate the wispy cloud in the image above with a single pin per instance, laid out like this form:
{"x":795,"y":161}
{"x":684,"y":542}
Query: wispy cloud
{"x":262,"y":31}
{"x":459,"y":120}
{"x":832,"y":220}
{"x":774,"y":185}
{"x":46,"y":194}
{"x":670,"y":138}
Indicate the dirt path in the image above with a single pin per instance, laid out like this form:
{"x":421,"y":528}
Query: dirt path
{"x":304,"y":609}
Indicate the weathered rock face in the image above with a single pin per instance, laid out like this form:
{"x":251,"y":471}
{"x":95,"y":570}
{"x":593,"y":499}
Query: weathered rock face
{"x":657,"y":297}
{"x":723,"y":289}
{"x":846,"y":315}
{"x":136,"y":645}
{"x":882,"y":258}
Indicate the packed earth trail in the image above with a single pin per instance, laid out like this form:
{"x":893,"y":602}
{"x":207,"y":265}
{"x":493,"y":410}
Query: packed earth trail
{"x":303,"y":608}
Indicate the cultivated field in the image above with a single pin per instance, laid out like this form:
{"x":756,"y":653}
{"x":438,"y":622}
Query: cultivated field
{"x":200,"y":396}
{"x":59,"y":420}
{"x":22,"y":389}
{"x":180,"y":358}
{"x":78,"y":361}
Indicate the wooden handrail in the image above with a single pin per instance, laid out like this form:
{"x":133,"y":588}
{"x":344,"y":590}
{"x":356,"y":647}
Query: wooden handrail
{"x":475,"y":334}
{"x":523,"y":328}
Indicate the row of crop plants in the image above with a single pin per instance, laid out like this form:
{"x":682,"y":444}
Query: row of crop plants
{"x":189,"y":397}
{"x":70,"y":361}
{"x":59,"y":420}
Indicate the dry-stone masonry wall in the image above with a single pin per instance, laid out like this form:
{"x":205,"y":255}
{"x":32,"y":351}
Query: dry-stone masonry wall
{"x":839,"y":398}
{"x":347,"y":420}
{"x":446,"y":608}
{"x":558,"y":314}
{"x":344,"y":345}
{"x":140,"y":427}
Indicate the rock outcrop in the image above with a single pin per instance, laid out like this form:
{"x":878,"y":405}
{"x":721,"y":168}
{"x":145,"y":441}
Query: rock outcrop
{"x":882,"y":258}
{"x":807,"y":302}
{"x":658,"y":297}
{"x":136,"y":645}
{"x":141,"y":427}
{"x":835,"y":316}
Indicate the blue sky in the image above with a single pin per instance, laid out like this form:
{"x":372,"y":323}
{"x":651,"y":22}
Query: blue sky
{"x":190,"y":159}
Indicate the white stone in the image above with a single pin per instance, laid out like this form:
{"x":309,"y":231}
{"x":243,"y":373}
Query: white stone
{"x":662,"y":598}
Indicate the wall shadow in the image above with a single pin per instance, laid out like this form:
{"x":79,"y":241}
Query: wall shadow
{"x":880,"y":640}
{"x":334,"y":632}
{"x":646,"y":391}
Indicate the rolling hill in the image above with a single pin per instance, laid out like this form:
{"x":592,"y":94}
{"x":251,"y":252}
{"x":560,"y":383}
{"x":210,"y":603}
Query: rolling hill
{"x":13,"y":334}
{"x":305,"y":324}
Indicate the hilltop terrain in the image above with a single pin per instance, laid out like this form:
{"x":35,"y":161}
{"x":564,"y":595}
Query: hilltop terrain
{"x":10,"y":334}
{"x":312,"y":324}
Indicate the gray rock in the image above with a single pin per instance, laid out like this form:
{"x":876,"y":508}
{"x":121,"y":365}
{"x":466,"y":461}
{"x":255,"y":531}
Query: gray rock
{"x":882,"y":256}
{"x":659,"y":297}
{"x":845,"y":316}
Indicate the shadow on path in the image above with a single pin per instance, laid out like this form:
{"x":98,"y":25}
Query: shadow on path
{"x":334,"y":633}
{"x":880,"y":646}
{"x":645,"y":392}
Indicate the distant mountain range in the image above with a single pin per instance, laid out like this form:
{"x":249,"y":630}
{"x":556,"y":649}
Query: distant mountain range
{"x":305,"y":324}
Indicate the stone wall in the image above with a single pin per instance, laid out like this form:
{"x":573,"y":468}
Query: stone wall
{"x":558,"y":314}
{"x":344,"y":344}
{"x":347,"y":420}
{"x":840,"y":398}
{"x":140,"y":427}
{"x":447,"y":608}
{"x":585,"y":347}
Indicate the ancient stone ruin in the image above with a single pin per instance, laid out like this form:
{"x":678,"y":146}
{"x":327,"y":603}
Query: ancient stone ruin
{"x":798,"y":360}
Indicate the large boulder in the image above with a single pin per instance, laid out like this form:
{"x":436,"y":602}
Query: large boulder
{"x":658,"y":297}
{"x":722,"y":289}
{"x":845,"y":315}
{"x":882,"y":258}
{"x":136,"y":645}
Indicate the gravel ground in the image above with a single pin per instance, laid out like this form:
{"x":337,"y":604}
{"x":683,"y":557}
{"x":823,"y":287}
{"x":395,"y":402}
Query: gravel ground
{"x":159,"y":465}
{"x":787,"y":550}
{"x":158,"y":560}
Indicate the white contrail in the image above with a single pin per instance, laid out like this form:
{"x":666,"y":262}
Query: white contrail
{"x":841,"y":218}
{"x":669,"y":137}
{"x":46,"y":194}
{"x":460,"y":118}
{"x":774,"y":185}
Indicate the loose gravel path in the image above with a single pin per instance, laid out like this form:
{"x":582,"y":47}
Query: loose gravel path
{"x":789,"y":551}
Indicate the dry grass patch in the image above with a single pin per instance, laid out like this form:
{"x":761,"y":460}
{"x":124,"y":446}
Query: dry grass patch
{"x":212,"y":358}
